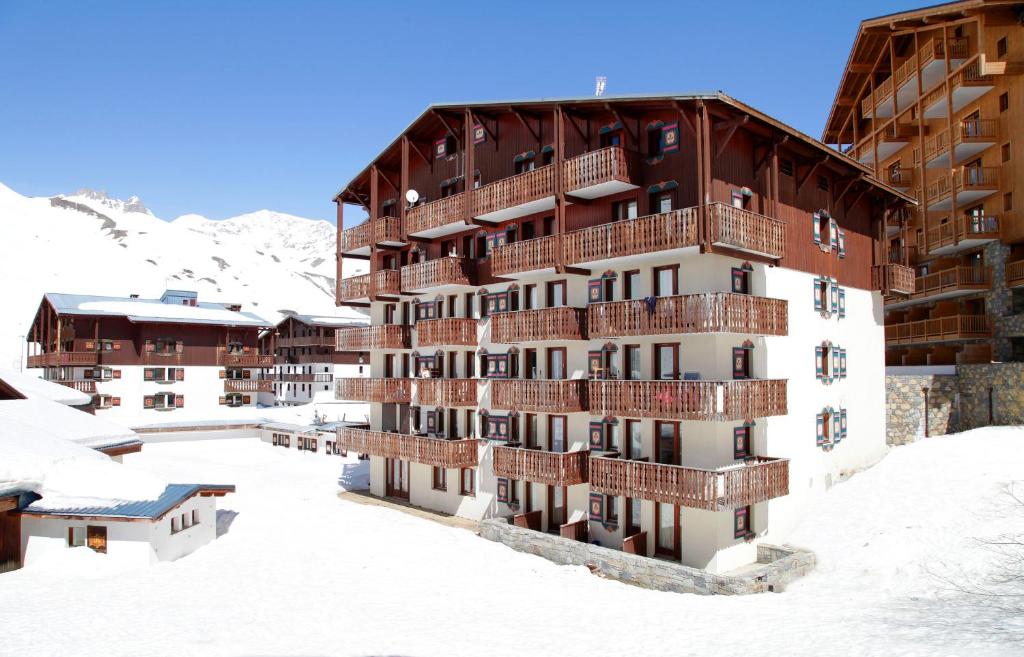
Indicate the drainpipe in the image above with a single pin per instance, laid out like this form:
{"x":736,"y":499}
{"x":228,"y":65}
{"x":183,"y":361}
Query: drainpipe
{"x":991,"y":409}
{"x":925,"y":391}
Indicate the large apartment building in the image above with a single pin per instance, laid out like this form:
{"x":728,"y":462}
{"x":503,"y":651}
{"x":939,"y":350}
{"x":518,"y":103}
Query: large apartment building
{"x":310,"y":352}
{"x":149,"y":357}
{"x":649,"y":322}
{"x":931,"y":101}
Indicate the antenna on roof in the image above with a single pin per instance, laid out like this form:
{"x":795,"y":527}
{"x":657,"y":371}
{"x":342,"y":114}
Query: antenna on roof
{"x":600,"y":83}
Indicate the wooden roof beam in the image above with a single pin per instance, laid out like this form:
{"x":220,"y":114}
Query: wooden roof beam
{"x":730,"y":129}
{"x":526,"y":124}
{"x":810,"y":172}
{"x":447,"y":126}
{"x":620,"y":117}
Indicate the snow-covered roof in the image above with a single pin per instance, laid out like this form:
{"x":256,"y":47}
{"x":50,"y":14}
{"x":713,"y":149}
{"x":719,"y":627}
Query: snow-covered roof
{"x":323,"y":320}
{"x":26,"y":419}
{"x":33,"y":387}
{"x":152,"y":310}
{"x":152,"y":509}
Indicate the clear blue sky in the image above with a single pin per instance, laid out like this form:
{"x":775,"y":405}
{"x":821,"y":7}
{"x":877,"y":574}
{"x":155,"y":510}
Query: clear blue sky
{"x":225,"y":107}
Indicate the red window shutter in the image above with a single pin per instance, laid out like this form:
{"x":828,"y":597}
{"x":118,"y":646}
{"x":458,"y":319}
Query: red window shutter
{"x":179,"y":374}
{"x":179,"y":401}
{"x":246,"y":374}
{"x":117,"y":346}
{"x":245,"y":349}
{"x":246,"y":399}
{"x":223,"y":374}
{"x":147,"y":374}
{"x":147,"y":401}
{"x":117,"y":374}
{"x":89,"y":345}
{"x":222,"y":400}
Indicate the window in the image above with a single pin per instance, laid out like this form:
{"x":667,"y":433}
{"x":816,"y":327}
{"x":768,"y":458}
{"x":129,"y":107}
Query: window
{"x":1017,"y":300}
{"x":530,"y":300}
{"x":741,"y":442}
{"x":631,"y":370}
{"x":624,"y":210}
{"x":440,"y":479}
{"x":556,"y":294}
{"x":665,"y":280}
{"x":195,"y":516}
{"x":611,"y":510}
{"x":1004,"y":101}
{"x":632,"y":516}
{"x":1001,"y":48}
{"x":557,"y":433}
{"x":184,"y":521}
{"x":661,"y":202}
{"x":556,"y":363}
{"x":76,"y":536}
{"x":668,"y":442}
{"x":654,"y":142}
{"x":631,"y":284}
{"x":467,"y":482}
{"x":741,"y":523}
{"x":665,"y":529}
{"x":1005,"y":152}
{"x":635,"y":442}
{"x":611,"y":139}
{"x":666,"y":362}
{"x":175,"y":525}
{"x":525,"y":164}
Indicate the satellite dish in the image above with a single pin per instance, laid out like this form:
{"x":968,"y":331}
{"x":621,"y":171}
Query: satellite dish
{"x":412,"y":196}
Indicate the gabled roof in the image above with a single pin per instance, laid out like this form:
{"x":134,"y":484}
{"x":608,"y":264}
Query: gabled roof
{"x":598,"y":103}
{"x":152,"y":310}
{"x":32,"y":387}
{"x":322,"y":320}
{"x":172,"y":496}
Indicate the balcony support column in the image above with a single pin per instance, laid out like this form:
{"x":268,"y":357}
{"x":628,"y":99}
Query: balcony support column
{"x":559,"y":183}
{"x":703,"y":176}
{"x":340,"y":259}
{"x":468,"y":164}
{"x":374,"y":204}
{"x":403,"y":183}
{"x":953,"y":214}
{"x":922,"y":193}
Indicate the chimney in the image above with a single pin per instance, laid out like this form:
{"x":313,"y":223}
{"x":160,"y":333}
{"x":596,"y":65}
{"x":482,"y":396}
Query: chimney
{"x":133,"y":296}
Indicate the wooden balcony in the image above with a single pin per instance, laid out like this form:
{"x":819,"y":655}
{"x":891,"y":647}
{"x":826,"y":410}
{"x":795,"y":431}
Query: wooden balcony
{"x":459,"y":331}
{"x":516,"y":196}
{"x":711,"y":312}
{"x":439,"y":273}
{"x":748,"y":231}
{"x":947,"y":283}
{"x":967,"y":85}
{"x":444,"y":216}
{"x":437,"y":452}
{"x":628,"y":238}
{"x":248,"y":385}
{"x":58,"y":358}
{"x":551,"y":468}
{"x":902,"y":178}
{"x":383,"y":230}
{"x":385,"y":391}
{"x":385,"y":282}
{"x":967,"y":232}
{"x":354,"y":288}
{"x":533,"y":256}
{"x":930,"y":61}
{"x":365,"y":338}
{"x":308,"y":377}
{"x":446,"y":393}
{"x":305,"y":341}
{"x":225,"y":359}
{"x":538,"y":325}
{"x":597,"y":173}
{"x":939,"y":329}
{"x":1015,"y":273}
{"x":79,"y":385}
{"x":891,"y":278}
{"x":689,"y":400}
{"x":759,"y":480}
{"x":970,"y":137}
{"x":540,"y":395}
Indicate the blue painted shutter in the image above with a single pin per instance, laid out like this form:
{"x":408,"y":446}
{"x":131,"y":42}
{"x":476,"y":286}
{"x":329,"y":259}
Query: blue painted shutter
{"x":834,"y":372}
{"x":842,"y":363}
{"x":833,"y":233}
{"x":835,"y":297}
{"x":816,"y":225}
{"x":842,"y":303}
{"x":837,"y":427}
{"x":819,"y":364}
{"x":820,"y":429}
{"x":817,"y":294}
{"x":842,"y":244}
{"x":842,"y":430}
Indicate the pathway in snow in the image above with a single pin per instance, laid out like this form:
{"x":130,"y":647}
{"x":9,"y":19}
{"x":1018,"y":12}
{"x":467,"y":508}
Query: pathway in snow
{"x":300,"y":571}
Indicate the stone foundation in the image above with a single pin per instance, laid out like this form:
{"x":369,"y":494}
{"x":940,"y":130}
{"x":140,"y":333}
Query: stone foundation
{"x":776,"y":565}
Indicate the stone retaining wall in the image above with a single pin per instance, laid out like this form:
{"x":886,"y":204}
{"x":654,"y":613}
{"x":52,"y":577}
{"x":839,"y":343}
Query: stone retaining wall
{"x":776,"y":565}
{"x":991,"y":394}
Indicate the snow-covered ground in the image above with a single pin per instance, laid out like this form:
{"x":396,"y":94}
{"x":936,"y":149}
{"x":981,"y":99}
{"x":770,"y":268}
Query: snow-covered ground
{"x":301,"y":572}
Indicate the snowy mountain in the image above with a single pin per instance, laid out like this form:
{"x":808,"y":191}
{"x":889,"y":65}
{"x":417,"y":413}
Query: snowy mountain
{"x":89,"y":243}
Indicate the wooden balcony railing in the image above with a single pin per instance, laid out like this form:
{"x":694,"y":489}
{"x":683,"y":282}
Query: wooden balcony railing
{"x":630,"y":237}
{"x":971,"y":74}
{"x":596,"y":167}
{"x":743,"y":399}
{"x":386,"y":282}
{"x":225,"y":359}
{"x":932,"y":50}
{"x":550,"y":468}
{"x":892,"y":278}
{"x":445,"y":392}
{"x":443,"y":211}
{"x":353,"y":288}
{"x":57,"y":358}
{"x":967,"y":131}
{"x":969,"y":227}
{"x":954,"y":278}
{"x":248,"y":385}
{"x":540,"y":395}
{"x":902,"y":177}
{"x":539,"y":324}
{"x":447,"y":331}
{"x":368,"y":233}
{"x":387,"y":391}
{"x":746,"y":230}
{"x":447,"y":270}
{"x":364,"y":338}
{"x":710,"y":312}
{"x":305,"y":341}
{"x":1015,"y":273}
{"x":437,"y":452}
{"x":964,"y":178}
{"x":528,"y":255}
{"x":514,"y":190}
{"x":79,"y":385}
{"x":954,"y":327}
{"x":758,"y":480}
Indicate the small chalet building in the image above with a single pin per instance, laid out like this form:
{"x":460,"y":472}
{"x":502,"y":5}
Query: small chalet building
{"x":310,"y":352}
{"x":650,"y":322}
{"x":150,"y":356}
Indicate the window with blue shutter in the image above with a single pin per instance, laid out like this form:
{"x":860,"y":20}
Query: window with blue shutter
{"x":842,"y":427}
{"x":816,"y":226}
{"x":819,"y":362}
{"x":842,"y":303}
{"x":820,"y":429}
{"x":836,"y":371}
{"x":837,"y":426}
{"x":818,"y":295}
{"x":842,"y":363}
{"x":835,"y":297}
{"x":842,"y":244}
{"x":833,"y":234}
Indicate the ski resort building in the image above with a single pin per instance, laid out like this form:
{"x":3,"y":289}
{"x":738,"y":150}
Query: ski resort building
{"x":150,"y":356}
{"x":310,"y":352}
{"x":930,"y":101}
{"x":651,"y":323}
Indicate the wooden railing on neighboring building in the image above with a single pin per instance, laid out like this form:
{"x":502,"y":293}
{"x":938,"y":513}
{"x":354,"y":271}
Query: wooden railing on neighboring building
{"x":446,"y":270}
{"x":515,"y":190}
{"x":954,"y":278}
{"x":460,"y":331}
{"x":443,"y":211}
{"x":364,"y":338}
{"x":368,"y":233}
{"x":539,"y":324}
{"x":757,"y":480}
{"x":79,"y":385}
{"x":248,"y":385}
{"x":57,"y":358}
{"x":741,"y":399}
{"x":305,"y":341}
{"x":710,"y":312}
{"x":891,"y":278}
{"x":596,"y":167}
{"x":445,"y":392}
{"x":353,"y":288}
{"x":527,"y":255}
{"x":953,"y":327}
{"x":968,"y":227}
{"x":550,"y":468}
{"x":746,"y":230}
{"x":630,"y":237}
{"x":307,"y":377}
{"x":225,"y":359}
{"x":438,"y":452}
{"x":540,"y":395}
{"x":1015,"y":273}
{"x":396,"y":391}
